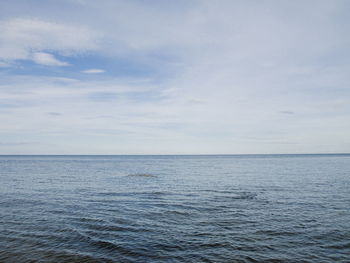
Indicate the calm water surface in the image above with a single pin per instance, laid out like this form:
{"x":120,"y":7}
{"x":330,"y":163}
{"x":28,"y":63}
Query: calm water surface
{"x":257,"y":208}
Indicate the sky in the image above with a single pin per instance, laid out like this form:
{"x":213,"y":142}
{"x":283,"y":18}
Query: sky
{"x":174,"y":77}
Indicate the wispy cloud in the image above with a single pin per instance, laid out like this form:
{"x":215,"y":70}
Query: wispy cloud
{"x":54,"y":113}
{"x":287,"y":112}
{"x":4,"y":64}
{"x":93,"y":71}
{"x":25,"y":38}
{"x":47,"y":59}
{"x":16,"y":143}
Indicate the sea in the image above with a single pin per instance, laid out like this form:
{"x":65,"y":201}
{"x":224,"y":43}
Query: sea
{"x":173,"y":208}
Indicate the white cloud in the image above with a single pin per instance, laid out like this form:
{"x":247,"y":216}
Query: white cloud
{"x":21,"y":38}
{"x":47,"y":59}
{"x":93,"y":71}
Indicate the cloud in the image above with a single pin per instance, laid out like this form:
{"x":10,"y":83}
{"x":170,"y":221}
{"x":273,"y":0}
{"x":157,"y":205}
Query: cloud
{"x":93,"y":71}
{"x":103,"y":96}
{"x":47,"y":59}
{"x":215,"y":75}
{"x":4,"y":64}
{"x":287,"y":112}
{"x":15,"y":143}
{"x":26,"y":38}
{"x":54,"y":113}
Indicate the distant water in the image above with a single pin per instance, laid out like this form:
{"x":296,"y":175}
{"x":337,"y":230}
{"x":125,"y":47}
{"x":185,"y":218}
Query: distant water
{"x":256,"y":208}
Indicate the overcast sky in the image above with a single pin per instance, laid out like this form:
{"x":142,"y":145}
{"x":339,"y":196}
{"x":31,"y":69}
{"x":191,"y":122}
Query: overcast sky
{"x":174,"y":77}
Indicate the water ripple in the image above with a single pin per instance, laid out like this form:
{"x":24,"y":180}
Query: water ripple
{"x":94,"y":209}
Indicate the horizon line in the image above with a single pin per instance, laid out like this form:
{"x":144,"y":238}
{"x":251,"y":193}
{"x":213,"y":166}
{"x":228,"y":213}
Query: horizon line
{"x":198,"y":154}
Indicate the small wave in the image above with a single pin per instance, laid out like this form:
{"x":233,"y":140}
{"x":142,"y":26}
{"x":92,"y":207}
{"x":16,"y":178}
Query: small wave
{"x":236,"y":196}
{"x":339,"y":246}
{"x":119,"y":248}
{"x":142,"y":175}
{"x":269,"y":232}
{"x":231,"y":194}
{"x":108,"y":228}
{"x":126,"y":194}
{"x":245,"y":195}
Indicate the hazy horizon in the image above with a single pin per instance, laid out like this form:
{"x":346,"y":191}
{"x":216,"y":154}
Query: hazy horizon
{"x":188,"y":154}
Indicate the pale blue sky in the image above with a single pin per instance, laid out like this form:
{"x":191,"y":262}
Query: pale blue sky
{"x":174,"y":77}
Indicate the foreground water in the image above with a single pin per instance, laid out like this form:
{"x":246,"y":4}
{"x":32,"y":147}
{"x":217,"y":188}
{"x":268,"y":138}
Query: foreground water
{"x":256,"y":208}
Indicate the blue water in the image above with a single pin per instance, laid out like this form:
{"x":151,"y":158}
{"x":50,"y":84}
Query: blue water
{"x":250,"y":208}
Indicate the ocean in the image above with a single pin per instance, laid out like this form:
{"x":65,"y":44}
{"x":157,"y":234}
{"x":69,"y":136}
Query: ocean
{"x":204,"y":208}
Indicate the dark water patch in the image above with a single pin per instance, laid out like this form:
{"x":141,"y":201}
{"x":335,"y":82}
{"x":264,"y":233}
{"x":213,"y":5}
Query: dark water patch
{"x":40,"y":255}
{"x":87,"y":220}
{"x":110,"y":228}
{"x":277,"y":233}
{"x":235,"y":196}
{"x":340,"y":245}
